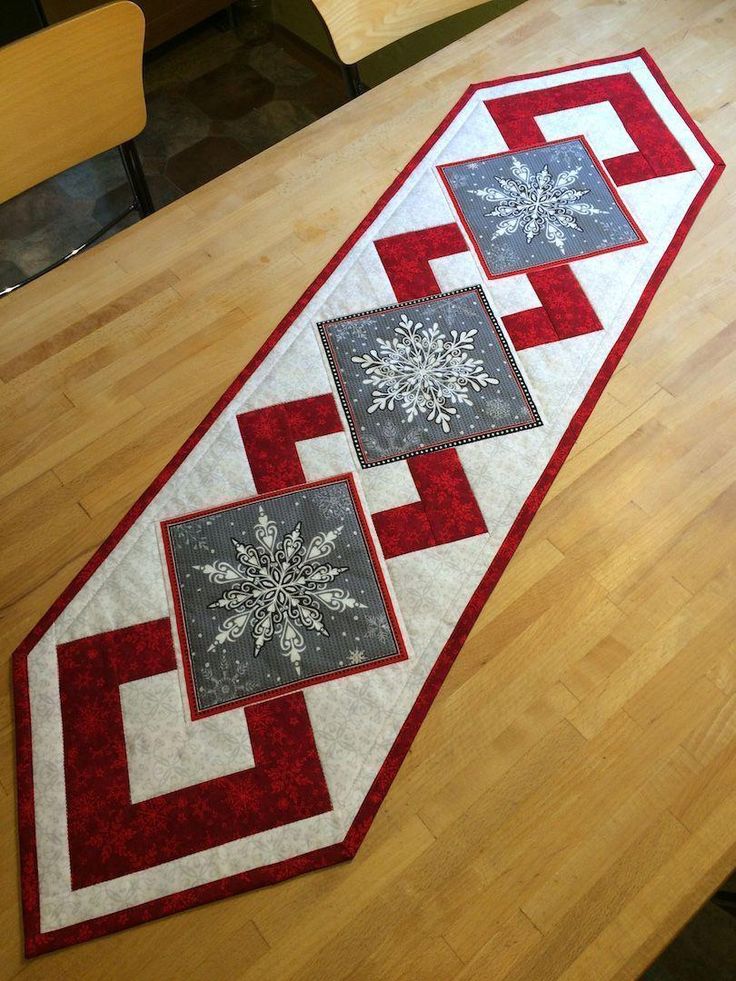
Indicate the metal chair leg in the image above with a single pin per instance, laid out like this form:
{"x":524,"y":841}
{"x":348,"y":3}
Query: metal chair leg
{"x":70,"y":255}
{"x":136,"y":178}
{"x":353,"y":82}
{"x":142,"y":203}
{"x":726,"y":899}
{"x":40,"y":13}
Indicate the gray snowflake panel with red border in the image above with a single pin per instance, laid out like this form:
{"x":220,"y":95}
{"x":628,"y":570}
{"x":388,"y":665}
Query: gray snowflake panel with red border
{"x":540,"y":206}
{"x":275,"y":593}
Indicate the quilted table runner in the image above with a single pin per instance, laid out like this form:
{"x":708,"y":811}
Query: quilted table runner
{"x":222,"y":697}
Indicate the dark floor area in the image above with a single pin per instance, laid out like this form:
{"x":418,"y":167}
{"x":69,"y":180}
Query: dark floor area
{"x":705,"y":950}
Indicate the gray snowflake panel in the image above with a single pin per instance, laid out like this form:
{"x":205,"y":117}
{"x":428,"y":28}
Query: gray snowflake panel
{"x":277,"y":593}
{"x":424,"y":375}
{"x":530,"y":208}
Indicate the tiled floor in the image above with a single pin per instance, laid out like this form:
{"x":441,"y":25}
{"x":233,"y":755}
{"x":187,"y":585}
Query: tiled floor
{"x":215,"y":98}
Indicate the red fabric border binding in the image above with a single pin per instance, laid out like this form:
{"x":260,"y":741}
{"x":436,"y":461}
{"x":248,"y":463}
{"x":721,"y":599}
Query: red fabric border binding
{"x":37,"y":942}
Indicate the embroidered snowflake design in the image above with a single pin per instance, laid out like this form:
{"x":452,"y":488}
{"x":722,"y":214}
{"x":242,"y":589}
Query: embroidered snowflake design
{"x":331,"y":503}
{"x":498,"y":409}
{"x":278,"y":588}
{"x":394,"y":436}
{"x":356,"y":657}
{"x":193,"y":534}
{"x":537,"y":203}
{"x":376,"y":627}
{"x":424,"y":372}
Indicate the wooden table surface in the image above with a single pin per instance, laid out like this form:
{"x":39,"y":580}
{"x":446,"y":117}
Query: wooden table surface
{"x":571,"y":799}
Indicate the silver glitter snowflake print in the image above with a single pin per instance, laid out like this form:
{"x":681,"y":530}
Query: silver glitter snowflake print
{"x":396,"y":434}
{"x":278,"y":588}
{"x":540,"y":206}
{"x":537,"y":203}
{"x":424,"y":371}
{"x":417,"y":376}
{"x":194,"y":534}
{"x":286,"y":590}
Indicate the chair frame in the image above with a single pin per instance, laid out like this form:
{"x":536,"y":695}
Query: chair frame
{"x":116,"y":21}
{"x":357,"y":29}
{"x":726,"y":899}
{"x":142,"y":203}
{"x":353,"y":82}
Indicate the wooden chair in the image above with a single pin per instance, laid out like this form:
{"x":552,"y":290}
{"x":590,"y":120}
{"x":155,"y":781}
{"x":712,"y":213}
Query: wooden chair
{"x":360,"y":27}
{"x":67,"y":93}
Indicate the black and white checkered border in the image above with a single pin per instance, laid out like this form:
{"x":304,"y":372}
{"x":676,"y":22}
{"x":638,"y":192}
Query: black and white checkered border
{"x":478,"y":289}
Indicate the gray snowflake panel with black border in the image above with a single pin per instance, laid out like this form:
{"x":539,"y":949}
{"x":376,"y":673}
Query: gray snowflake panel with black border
{"x":425,"y":375}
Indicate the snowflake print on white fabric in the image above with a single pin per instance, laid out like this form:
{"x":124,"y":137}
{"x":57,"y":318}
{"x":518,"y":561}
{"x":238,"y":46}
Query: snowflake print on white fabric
{"x":424,"y":372}
{"x":537,"y":203}
{"x":278,"y":588}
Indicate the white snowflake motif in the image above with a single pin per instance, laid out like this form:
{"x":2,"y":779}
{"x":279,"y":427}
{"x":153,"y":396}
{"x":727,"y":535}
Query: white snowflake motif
{"x":424,"y":372}
{"x":537,"y":203}
{"x":356,"y":657}
{"x":332,"y":503}
{"x":498,"y":409}
{"x":193,"y":534}
{"x":277,"y":589}
{"x":350,"y":331}
{"x":376,"y":626}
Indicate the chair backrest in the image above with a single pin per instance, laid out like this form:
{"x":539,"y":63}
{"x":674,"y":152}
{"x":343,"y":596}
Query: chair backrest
{"x":68,"y":92}
{"x":360,"y":27}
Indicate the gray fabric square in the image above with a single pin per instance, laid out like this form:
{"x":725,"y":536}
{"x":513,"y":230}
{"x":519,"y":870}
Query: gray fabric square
{"x":278,"y":592}
{"x":530,"y":208}
{"x":424,"y":375}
